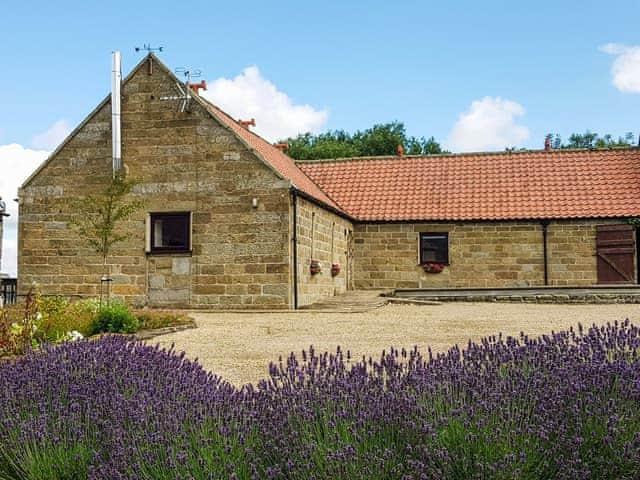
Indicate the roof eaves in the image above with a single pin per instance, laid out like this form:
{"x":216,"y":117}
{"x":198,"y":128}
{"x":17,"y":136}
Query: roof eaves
{"x":492,"y":219}
{"x":338,"y":211}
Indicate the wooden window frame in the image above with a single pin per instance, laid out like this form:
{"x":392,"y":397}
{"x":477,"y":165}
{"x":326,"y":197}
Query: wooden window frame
{"x":170,"y":250}
{"x":423,"y":235}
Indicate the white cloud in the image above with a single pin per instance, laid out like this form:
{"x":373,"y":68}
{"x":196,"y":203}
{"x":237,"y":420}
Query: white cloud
{"x":625,"y":70}
{"x":52,"y":137}
{"x":488,"y":124}
{"x":250,"y":95}
{"x":16,"y":164}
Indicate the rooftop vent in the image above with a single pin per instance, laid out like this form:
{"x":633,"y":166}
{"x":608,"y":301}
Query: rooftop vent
{"x":202,"y":85}
{"x":247,"y":123}
{"x":283,"y":147}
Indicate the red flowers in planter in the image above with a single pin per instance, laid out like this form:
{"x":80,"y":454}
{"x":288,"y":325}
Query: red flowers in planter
{"x":335,"y":269}
{"x":315,"y":267}
{"x":432,"y":267}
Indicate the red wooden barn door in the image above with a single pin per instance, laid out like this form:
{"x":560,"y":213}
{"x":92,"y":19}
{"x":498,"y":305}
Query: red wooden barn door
{"x":615,"y":250}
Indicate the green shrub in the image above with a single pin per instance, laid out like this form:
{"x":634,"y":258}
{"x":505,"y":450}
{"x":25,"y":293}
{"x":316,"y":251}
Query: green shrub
{"x":115,"y":318}
{"x":59,"y":318}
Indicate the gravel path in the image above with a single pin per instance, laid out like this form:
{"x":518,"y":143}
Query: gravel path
{"x":239,"y":346}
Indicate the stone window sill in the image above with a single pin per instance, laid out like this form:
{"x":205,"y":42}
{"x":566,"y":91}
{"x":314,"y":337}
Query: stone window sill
{"x":170,"y":253}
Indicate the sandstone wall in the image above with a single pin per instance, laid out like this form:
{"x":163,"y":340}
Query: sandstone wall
{"x":572,"y":252}
{"x":487,"y":254}
{"x":183,"y":162}
{"x":322,"y":236}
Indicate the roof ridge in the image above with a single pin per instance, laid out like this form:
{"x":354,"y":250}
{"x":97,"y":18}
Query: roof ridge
{"x":469,"y":154}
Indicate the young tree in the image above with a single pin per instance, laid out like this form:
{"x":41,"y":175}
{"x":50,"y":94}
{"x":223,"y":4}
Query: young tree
{"x":98,"y":216}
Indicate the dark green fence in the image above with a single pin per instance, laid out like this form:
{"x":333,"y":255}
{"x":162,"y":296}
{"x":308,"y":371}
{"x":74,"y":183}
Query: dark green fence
{"x":8,"y":290}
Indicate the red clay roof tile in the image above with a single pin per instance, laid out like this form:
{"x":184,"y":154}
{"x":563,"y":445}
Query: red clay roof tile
{"x":484,"y":186}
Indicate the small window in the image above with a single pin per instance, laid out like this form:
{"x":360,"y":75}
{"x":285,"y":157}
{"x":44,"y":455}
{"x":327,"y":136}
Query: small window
{"x":434,"y":248}
{"x":171,"y":232}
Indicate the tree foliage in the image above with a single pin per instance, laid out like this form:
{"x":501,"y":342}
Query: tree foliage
{"x":381,"y":139}
{"x":98,"y":216}
{"x":590,"y":139}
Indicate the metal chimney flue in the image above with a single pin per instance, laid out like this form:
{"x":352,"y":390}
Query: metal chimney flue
{"x":116,"y":139}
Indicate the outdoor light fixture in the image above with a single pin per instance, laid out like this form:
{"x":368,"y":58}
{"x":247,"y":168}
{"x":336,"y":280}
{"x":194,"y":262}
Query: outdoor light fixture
{"x":254,"y":202}
{"x":105,"y":290}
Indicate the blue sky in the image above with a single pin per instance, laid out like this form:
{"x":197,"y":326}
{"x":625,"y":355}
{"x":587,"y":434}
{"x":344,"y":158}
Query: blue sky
{"x":364,"y":62}
{"x":530,"y":67}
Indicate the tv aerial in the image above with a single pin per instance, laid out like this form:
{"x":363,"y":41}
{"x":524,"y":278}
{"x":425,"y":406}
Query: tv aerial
{"x":188,"y":74}
{"x":183,"y":88}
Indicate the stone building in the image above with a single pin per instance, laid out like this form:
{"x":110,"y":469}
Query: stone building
{"x":231,"y":222}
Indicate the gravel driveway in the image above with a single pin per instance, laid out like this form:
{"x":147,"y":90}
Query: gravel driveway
{"x":239,"y":346}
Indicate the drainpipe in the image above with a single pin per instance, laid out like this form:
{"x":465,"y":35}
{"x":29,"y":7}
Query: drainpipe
{"x":116,"y":136}
{"x":545,"y":254}
{"x":294,"y":240}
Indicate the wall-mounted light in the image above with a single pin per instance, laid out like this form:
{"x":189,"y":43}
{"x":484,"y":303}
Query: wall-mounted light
{"x":254,"y":202}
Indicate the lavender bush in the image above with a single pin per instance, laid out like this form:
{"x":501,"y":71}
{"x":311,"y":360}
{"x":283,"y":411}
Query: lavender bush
{"x":561,"y":406}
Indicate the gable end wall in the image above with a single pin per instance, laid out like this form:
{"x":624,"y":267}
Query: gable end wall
{"x":183,"y":162}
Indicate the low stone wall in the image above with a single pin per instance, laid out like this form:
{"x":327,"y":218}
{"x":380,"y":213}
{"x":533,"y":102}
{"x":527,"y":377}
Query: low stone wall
{"x":584,"y":298}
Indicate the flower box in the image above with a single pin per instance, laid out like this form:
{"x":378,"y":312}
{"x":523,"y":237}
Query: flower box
{"x":315,"y":267}
{"x":432,"y":267}
{"x":335,"y":269}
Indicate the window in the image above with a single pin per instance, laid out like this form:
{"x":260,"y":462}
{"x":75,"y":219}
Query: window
{"x":170,"y":232}
{"x":434,"y":248}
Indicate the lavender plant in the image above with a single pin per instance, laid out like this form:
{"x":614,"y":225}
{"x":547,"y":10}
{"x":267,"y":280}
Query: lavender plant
{"x":565,"y":405}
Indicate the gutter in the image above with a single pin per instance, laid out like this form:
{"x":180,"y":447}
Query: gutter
{"x":294,"y":240}
{"x":545,"y":253}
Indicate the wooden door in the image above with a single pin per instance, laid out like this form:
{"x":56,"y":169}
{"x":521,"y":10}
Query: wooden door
{"x":615,"y":250}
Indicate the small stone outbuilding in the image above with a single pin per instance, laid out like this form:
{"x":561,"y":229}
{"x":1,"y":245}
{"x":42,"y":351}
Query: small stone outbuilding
{"x":232,"y":222}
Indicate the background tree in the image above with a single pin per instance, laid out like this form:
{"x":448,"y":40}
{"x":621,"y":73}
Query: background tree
{"x":381,"y":139}
{"x":98,"y":216}
{"x":590,"y":139}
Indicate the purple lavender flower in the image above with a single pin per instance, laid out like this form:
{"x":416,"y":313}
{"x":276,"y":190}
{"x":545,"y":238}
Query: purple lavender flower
{"x":565,"y":405}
